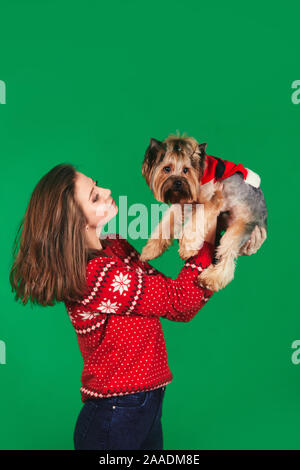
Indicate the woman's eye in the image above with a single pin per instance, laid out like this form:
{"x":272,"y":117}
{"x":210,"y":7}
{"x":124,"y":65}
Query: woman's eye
{"x":167,"y":169}
{"x":96,"y":198}
{"x":185,"y":170}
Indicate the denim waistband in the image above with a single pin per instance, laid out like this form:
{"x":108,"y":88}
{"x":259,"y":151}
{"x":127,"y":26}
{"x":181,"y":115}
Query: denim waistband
{"x":114,"y":397}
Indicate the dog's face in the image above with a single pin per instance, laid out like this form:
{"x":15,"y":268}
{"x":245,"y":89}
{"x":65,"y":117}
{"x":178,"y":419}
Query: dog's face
{"x":173,"y":169}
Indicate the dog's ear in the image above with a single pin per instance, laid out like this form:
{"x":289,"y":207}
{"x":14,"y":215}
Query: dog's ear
{"x":150,"y":157}
{"x":200,"y":161}
{"x":202,"y":149}
{"x":155,"y":143}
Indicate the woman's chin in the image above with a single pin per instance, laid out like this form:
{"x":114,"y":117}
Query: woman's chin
{"x":112,"y":213}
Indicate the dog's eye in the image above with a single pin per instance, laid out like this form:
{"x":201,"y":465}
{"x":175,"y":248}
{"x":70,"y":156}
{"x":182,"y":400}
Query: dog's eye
{"x":167,"y":169}
{"x":185,"y":170}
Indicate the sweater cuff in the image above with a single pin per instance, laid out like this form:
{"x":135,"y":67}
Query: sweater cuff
{"x":205,"y":255}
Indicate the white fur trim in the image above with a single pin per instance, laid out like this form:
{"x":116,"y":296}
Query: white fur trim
{"x":252,"y":178}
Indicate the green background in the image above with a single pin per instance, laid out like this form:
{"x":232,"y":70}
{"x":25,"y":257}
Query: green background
{"x":90,"y":83}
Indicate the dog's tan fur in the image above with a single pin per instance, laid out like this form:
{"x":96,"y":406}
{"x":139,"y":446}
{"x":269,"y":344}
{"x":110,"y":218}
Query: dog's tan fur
{"x":184,"y":159}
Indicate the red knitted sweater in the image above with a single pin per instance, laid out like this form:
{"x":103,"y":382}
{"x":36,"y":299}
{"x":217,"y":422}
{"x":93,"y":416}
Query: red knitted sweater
{"x":118,"y":324}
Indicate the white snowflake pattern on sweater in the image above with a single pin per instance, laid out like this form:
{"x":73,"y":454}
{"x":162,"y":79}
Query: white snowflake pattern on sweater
{"x":107,"y":306}
{"x":121,"y":283}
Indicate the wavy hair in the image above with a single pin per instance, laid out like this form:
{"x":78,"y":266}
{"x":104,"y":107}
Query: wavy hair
{"x":50,"y":249}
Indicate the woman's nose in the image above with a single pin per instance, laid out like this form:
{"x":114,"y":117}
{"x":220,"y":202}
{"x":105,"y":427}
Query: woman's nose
{"x":106,"y":193}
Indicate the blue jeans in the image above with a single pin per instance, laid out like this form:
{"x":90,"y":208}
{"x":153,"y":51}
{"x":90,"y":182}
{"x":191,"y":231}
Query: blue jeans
{"x":124,"y":422}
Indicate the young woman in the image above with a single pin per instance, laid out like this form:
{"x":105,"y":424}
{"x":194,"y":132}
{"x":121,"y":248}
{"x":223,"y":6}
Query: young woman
{"x":114,"y":302}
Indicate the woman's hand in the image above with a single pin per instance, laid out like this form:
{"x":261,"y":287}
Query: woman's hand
{"x":258,"y":236}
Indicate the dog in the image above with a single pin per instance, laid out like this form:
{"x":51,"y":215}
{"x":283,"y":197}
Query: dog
{"x":179,"y":172}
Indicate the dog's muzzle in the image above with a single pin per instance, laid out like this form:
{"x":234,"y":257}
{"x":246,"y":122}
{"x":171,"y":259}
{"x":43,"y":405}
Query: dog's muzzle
{"x":177,"y":185}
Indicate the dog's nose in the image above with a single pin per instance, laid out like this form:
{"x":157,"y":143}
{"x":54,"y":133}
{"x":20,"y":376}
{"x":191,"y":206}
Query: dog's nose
{"x":177,"y":184}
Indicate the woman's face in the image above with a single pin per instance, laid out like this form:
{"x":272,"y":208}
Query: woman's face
{"x":96,"y":203}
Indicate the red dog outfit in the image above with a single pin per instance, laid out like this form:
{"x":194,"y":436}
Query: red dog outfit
{"x":217,"y":169}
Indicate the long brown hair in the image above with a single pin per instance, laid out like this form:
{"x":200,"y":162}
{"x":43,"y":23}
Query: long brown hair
{"x":50,"y":249}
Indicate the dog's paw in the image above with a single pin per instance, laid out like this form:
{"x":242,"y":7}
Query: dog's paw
{"x":185,"y":253}
{"x":143,"y":258}
{"x":212,"y":279}
{"x":154,"y":248}
{"x":146,"y":254}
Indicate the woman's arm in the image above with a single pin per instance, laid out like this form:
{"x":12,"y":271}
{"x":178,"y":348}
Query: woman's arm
{"x":118,"y":288}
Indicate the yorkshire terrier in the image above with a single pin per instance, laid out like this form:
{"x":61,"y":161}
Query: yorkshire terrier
{"x":179,"y":172}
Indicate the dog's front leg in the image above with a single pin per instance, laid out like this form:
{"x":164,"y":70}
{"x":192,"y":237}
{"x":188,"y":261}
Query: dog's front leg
{"x":217,"y":276}
{"x":199,"y":225}
{"x":193,"y":233}
{"x":164,"y":233}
